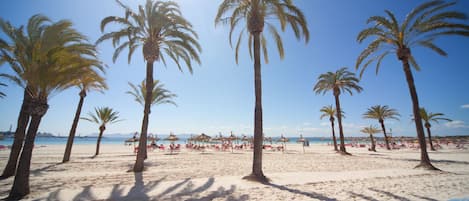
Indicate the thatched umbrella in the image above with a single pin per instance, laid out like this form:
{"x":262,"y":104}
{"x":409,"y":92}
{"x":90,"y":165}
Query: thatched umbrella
{"x":283,"y":140}
{"x":171,"y":138}
{"x":302,"y":140}
{"x":231,"y":138}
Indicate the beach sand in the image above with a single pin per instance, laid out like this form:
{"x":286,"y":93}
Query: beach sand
{"x":318,"y":174}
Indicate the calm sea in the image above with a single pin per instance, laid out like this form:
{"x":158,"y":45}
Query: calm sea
{"x":121,"y":140}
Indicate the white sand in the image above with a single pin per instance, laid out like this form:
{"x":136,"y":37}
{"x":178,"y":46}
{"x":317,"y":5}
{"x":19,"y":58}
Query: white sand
{"x":318,"y":174}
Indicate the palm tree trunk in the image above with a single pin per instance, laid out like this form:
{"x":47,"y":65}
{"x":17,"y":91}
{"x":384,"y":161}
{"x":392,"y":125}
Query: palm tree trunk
{"x":98,"y":143}
{"x":424,"y":159}
{"x":385,"y":136}
{"x":373,"y":145}
{"x":23,"y":120}
{"x":142,"y":145}
{"x":430,"y":138}
{"x":71,"y":136}
{"x":333,"y":135}
{"x":21,"y":182}
{"x":339,"y":120}
{"x":257,"y":173}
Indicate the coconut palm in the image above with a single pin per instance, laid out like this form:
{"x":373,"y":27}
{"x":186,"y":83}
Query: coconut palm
{"x":371,"y":131}
{"x":102,"y":116}
{"x":435,"y":117}
{"x":47,"y":59}
{"x":329,"y":111}
{"x":338,"y":82}
{"x":258,"y":14}
{"x":91,"y":81}
{"x":159,"y":28}
{"x":160,"y":94}
{"x":421,"y":27}
{"x":381,"y":113}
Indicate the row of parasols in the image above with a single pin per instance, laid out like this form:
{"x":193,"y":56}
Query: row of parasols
{"x":205,"y":138}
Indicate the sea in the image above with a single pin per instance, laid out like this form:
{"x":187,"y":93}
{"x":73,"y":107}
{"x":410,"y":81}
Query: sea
{"x":41,"y":140}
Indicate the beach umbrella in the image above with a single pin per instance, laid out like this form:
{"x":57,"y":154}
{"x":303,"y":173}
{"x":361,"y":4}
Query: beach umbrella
{"x":172,"y":138}
{"x":231,"y":138}
{"x":283,"y":140}
{"x":203,"y":138}
{"x":302,"y":140}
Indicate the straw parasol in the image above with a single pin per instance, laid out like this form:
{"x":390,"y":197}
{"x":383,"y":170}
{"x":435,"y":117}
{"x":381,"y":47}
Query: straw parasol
{"x":172,"y":138}
{"x":283,"y":140}
{"x":232,"y":138}
{"x":302,"y":140}
{"x":202,"y":138}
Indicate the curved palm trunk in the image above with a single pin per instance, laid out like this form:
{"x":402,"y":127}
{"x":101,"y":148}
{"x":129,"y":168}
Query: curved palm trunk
{"x":142,"y":145}
{"x":373,"y":144}
{"x":333,"y":135}
{"x":98,"y":143}
{"x":21,"y":182}
{"x":339,"y":120}
{"x":23,"y":120}
{"x":71,"y":136}
{"x":430,"y":137}
{"x":385,"y":136}
{"x":424,"y":159}
{"x":257,"y":173}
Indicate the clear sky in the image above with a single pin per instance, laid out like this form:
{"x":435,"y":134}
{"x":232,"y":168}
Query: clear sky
{"x":219,"y":96}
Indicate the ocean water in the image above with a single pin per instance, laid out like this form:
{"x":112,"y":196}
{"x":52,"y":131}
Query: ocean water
{"x":120,"y":140}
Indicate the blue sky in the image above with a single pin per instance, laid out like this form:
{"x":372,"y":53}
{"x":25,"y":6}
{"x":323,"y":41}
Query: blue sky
{"x":219,"y":96}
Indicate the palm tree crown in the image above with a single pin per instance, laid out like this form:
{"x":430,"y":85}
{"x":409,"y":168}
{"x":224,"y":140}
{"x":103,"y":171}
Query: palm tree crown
{"x":370,"y":130}
{"x":159,"y":28}
{"x":421,"y":27}
{"x":381,"y":112}
{"x":254,"y":13}
{"x":160,"y":94}
{"x":427,"y":117}
{"x":330,"y":111}
{"x":341,"y":80}
{"x":103,"y":116}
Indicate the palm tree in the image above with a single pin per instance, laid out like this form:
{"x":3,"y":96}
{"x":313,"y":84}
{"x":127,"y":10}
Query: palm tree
{"x":329,"y":111}
{"x":255,"y":13}
{"x":429,"y":116}
{"x":381,"y":113}
{"x":102,"y":116}
{"x":48,"y":59}
{"x":371,"y":131}
{"x":91,"y":81}
{"x":161,"y":31}
{"x":160,"y":94}
{"x":337,"y":82}
{"x":2,"y":95}
{"x":421,"y":27}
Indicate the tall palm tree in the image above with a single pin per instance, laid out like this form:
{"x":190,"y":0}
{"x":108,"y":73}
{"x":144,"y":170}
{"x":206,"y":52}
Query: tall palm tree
{"x":160,"y":94}
{"x":329,"y":111}
{"x":47,"y":59}
{"x":91,"y":81}
{"x":381,"y":113}
{"x":257,"y":15}
{"x":102,"y":116}
{"x":161,"y":30}
{"x":337,"y":82}
{"x":435,"y":117}
{"x":371,"y":131}
{"x":2,"y":95}
{"x":421,"y":27}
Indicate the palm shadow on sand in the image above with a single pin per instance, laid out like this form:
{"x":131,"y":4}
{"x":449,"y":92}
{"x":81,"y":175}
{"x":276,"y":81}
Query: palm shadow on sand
{"x":183,"y":190}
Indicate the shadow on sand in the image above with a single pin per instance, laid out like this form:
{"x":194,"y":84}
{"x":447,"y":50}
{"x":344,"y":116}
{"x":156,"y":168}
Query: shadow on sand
{"x":183,"y":190}
{"x":312,"y":195}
